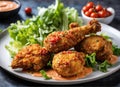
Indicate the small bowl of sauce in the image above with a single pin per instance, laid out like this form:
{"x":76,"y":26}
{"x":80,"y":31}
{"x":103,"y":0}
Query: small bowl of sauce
{"x":9,"y":8}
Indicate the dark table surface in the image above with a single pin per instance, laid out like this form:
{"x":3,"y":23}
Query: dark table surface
{"x":9,"y":80}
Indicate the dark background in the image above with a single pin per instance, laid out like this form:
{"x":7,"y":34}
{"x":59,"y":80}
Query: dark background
{"x":8,"y":80}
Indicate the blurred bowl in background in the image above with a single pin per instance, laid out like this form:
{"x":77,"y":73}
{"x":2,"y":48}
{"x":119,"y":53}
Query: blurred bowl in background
{"x":105,"y":20}
{"x":4,"y":14}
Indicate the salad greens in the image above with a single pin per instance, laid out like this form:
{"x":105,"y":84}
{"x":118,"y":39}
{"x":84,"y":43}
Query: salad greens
{"x":12,"y":46}
{"x":91,"y":62}
{"x":33,"y":30}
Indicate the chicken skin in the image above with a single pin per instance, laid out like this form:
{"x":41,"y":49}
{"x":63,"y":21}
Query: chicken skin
{"x":100,"y":46}
{"x":64,"y":40}
{"x":68,"y":63}
{"x":73,"y":25}
{"x":32,"y":57}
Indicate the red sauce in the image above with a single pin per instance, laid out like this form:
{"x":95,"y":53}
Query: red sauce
{"x":54,"y":75}
{"x":54,"y":39}
{"x":7,"y":5}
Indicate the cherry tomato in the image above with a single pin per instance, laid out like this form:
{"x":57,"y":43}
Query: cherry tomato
{"x":102,"y":13}
{"x":87,"y":13}
{"x":94,"y":15}
{"x":98,"y":8}
{"x":95,"y":11}
{"x":85,"y":8}
{"x":91,"y":10}
{"x":90,"y":4}
{"x":28,"y":10}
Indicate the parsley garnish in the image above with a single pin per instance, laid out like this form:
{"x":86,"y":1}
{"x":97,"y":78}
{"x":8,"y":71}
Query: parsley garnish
{"x":44,"y":74}
{"x":91,"y":60}
{"x":49,"y":63}
{"x":105,"y":36}
{"x":116,"y":50}
{"x":103,"y":66}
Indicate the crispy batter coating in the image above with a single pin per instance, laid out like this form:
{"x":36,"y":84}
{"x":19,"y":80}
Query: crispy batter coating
{"x":100,"y":46}
{"x":32,"y":57}
{"x":64,"y":40}
{"x":91,"y":44}
{"x":68,"y":63}
{"x":73,"y":25}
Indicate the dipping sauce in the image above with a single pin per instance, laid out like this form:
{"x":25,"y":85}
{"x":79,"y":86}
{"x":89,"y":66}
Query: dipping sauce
{"x":7,"y":5}
{"x":54,"y":75}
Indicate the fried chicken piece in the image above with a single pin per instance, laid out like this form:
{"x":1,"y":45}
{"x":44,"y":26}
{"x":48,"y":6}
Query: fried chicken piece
{"x":73,"y":25}
{"x":68,"y":63}
{"x":31,"y":57}
{"x":100,"y":46}
{"x":64,"y":40}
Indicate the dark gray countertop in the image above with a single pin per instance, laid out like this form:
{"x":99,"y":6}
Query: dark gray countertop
{"x":8,"y":80}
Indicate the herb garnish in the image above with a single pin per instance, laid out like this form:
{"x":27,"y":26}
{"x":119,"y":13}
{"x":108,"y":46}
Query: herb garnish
{"x":44,"y":75}
{"x":91,"y":62}
{"x":103,"y":66}
{"x":116,"y":50}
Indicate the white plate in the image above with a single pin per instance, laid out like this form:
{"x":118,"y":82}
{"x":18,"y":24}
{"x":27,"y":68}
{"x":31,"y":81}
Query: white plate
{"x":5,"y":61}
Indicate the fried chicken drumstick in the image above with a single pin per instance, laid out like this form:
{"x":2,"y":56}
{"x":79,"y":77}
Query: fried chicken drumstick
{"x":32,"y":57}
{"x":64,"y":40}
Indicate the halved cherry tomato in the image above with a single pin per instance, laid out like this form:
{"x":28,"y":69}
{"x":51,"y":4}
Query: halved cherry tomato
{"x":94,"y":15}
{"x":98,"y":8}
{"x":85,"y":8}
{"x":28,"y":10}
{"x":90,"y":4}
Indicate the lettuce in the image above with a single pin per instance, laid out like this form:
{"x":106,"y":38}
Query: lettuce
{"x":90,"y":61}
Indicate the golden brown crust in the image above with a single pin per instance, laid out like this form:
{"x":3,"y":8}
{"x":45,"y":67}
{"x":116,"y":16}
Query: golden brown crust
{"x":64,"y":40}
{"x":68,"y":63}
{"x":32,"y":57}
{"x":91,"y":44}
{"x":73,"y":25}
